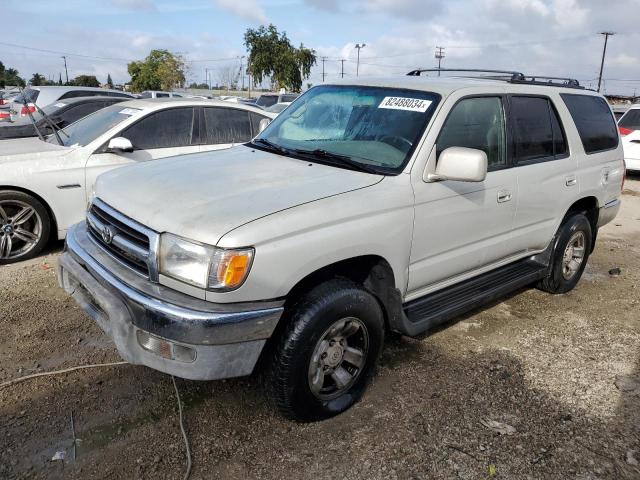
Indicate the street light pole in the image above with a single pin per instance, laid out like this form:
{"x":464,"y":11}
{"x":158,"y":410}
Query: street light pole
{"x":242,"y":71}
{"x":359,"y":46}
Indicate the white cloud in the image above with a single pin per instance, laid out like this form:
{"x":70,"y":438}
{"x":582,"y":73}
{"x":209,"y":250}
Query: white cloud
{"x":247,"y":9}
{"x":135,"y":5}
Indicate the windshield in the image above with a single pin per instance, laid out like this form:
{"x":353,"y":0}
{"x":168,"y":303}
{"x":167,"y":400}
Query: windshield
{"x":631,"y":119}
{"x":375,"y":127}
{"x":87,"y":129}
{"x":28,"y":95}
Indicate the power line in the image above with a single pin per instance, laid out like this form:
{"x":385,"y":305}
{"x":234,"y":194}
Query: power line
{"x":69,"y":54}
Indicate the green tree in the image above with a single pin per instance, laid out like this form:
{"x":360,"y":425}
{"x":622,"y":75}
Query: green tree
{"x":271,"y":55}
{"x":161,"y":70}
{"x":109,"y":81}
{"x":37,"y":80}
{"x":85,"y":81}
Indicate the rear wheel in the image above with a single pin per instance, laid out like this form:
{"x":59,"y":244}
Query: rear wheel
{"x":570,"y":255}
{"x":25,"y":225}
{"x":329,"y":351}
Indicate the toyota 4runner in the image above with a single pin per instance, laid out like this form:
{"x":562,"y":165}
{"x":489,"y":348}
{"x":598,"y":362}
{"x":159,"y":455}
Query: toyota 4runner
{"x":367,"y":207}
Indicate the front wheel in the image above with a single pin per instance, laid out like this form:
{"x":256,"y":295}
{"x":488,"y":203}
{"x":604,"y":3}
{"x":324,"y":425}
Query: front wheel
{"x":329,"y":351}
{"x":570,"y":255}
{"x":24,"y":226}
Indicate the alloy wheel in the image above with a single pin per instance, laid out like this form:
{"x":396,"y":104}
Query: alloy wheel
{"x":20,"y":229}
{"x":573,"y":255}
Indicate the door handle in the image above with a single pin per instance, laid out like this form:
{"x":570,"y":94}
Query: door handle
{"x":570,"y":181}
{"x":504,"y":196}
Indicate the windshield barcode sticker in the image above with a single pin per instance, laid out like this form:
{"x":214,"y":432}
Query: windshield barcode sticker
{"x":404,"y":103}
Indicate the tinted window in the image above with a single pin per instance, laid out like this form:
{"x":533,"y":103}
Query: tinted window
{"x":226,"y":125}
{"x":476,"y":123}
{"x":288,"y":98}
{"x":145,"y":95}
{"x":536,"y":129}
{"x":79,"y":111}
{"x":255,"y":122}
{"x":631,"y":120}
{"x":593,"y":120}
{"x":267,"y":100}
{"x":80,"y":93}
{"x":162,"y":95}
{"x":168,"y":128}
{"x":30,"y":95}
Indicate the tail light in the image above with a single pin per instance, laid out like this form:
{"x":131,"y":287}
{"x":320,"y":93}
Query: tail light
{"x":3,"y":101}
{"x":30,"y":107}
{"x":4,"y":115}
{"x":625,"y":131}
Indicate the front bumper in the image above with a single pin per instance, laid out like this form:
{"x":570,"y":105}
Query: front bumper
{"x":222,"y":340}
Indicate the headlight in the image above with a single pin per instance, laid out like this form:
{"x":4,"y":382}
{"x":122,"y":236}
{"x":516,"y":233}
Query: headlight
{"x":202,"y":265}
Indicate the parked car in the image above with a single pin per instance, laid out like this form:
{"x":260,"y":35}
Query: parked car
{"x":158,"y":94}
{"x":377,"y":205}
{"x":629,"y":126}
{"x":620,"y":110}
{"x":42,"y":96}
{"x":277,"y":107}
{"x":268,"y":99}
{"x":45,"y":185}
{"x":60,"y":114}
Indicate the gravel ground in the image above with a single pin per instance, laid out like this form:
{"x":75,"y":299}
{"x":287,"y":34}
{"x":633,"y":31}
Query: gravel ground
{"x":536,"y":386}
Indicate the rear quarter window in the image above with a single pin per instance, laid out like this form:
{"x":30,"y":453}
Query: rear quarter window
{"x":594,"y":121}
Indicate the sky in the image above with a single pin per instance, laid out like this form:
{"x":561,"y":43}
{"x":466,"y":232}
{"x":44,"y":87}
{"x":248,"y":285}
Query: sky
{"x":539,"y":37}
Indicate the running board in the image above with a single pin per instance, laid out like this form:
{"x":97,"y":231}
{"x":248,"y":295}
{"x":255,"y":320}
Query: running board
{"x":426,"y":313}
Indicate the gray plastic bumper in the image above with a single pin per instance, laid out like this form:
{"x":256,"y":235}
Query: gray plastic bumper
{"x":212,"y":341}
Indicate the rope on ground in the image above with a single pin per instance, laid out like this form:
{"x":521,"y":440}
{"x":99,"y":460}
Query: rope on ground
{"x":59,"y":372}
{"x":182,"y":429}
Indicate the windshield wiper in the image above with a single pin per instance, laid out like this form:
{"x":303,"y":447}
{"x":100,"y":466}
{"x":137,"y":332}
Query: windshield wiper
{"x":52,"y":125}
{"x":271,"y":146}
{"x":337,"y":158}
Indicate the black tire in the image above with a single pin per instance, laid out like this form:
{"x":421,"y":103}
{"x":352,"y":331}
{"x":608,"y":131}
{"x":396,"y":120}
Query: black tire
{"x":39,"y":222}
{"x":556,"y":281}
{"x":308,"y":322}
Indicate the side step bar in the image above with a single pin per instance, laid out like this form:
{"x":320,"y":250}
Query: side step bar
{"x":425,"y":313}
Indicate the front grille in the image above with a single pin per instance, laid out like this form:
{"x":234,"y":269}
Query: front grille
{"x":121,"y":237}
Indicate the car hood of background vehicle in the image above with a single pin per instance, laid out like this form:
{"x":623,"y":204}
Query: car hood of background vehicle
{"x":27,"y":149}
{"x":204,"y":196}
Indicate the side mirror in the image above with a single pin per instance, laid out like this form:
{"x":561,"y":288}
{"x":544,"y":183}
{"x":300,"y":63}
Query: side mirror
{"x":119,"y":144}
{"x":461,"y":164}
{"x":263,"y":124}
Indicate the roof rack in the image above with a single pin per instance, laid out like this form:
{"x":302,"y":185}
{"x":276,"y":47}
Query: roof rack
{"x":509,"y":76}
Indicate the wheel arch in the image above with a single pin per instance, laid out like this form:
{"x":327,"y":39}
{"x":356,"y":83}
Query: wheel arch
{"x":590,"y":207}
{"x":373,"y":272}
{"x":52,"y":215}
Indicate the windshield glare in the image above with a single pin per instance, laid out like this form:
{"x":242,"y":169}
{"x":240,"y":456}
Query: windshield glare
{"x":87,"y":129}
{"x":374,"y":126}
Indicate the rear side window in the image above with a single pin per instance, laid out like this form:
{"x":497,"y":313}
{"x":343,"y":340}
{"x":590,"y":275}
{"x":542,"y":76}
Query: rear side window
{"x":594,"y":122}
{"x":164,"y":129}
{"x":267,"y":100}
{"x":477,"y":123}
{"x":162,"y":95}
{"x":80,"y":111}
{"x":226,"y":125}
{"x":29,"y":95}
{"x":288,"y":98}
{"x":255,"y":122}
{"x":537,"y":133}
{"x":631,"y":120}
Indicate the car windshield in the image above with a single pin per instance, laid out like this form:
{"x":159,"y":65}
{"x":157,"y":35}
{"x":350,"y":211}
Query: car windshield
{"x":87,"y":129}
{"x":28,"y":95}
{"x":631,"y":119}
{"x":376,"y":128}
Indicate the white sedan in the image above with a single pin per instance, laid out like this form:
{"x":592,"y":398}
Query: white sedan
{"x":629,"y":126}
{"x":45,"y":185}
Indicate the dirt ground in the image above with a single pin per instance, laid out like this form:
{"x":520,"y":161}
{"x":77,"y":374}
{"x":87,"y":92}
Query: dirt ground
{"x":562,"y":373}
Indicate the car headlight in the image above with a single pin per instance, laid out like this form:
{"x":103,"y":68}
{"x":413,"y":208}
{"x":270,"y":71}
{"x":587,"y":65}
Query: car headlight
{"x":203,"y":265}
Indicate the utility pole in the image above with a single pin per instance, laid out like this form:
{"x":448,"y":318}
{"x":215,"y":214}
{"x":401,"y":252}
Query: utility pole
{"x":249,"y":73}
{"x":359,"y":46}
{"x":342,"y":68}
{"x":604,"y":52}
{"x":323,"y":60}
{"x":439,"y":57}
{"x":65,"y":68}
{"x":242,"y":71}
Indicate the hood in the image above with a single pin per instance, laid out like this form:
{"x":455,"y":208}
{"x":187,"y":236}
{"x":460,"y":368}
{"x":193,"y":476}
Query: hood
{"x":203,"y":196}
{"x":14,"y":149}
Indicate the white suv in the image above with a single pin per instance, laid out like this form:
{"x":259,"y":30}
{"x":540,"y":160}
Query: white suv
{"x":374,"y":205}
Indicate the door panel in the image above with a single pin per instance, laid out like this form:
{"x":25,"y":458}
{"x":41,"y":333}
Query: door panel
{"x":460,"y":227}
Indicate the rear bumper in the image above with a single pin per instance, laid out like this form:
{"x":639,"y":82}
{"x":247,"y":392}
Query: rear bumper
{"x":632,"y":164}
{"x":608,"y":212}
{"x":210,"y":341}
